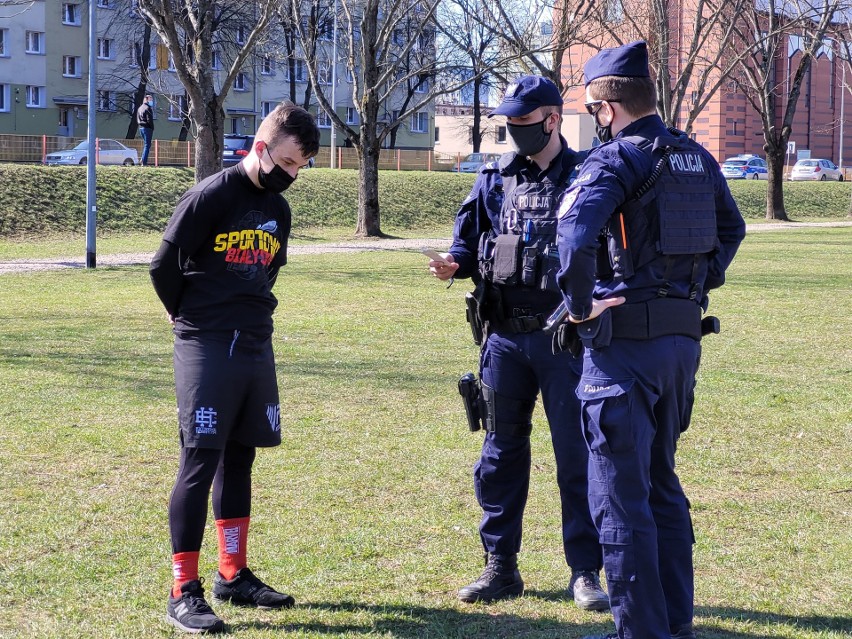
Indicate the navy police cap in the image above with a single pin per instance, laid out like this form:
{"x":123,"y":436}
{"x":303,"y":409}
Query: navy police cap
{"x":630,"y":60}
{"x":527,"y":94}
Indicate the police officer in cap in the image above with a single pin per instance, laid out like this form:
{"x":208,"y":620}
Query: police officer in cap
{"x":646,"y":230}
{"x":505,"y":239}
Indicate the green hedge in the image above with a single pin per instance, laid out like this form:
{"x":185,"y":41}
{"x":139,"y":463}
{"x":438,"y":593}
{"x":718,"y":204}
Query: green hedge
{"x":43,"y":200}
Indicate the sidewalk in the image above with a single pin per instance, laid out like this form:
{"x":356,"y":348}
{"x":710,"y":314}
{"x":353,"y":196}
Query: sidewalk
{"x":378,"y":244}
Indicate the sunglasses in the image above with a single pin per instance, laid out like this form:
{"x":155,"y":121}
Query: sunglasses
{"x":594,"y":106}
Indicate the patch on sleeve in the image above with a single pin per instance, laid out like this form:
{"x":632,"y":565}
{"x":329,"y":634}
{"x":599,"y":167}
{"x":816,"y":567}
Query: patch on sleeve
{"x":567,"y":203}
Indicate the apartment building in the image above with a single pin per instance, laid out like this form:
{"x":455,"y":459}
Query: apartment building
{"x":44,"y":71}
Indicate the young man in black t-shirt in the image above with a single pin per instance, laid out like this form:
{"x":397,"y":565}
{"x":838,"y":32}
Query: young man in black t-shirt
{"x":214,"y":274}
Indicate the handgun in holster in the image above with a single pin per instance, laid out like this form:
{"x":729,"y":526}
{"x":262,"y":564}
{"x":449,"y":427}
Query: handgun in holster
{"x":471,"y":393}
{"x":473,"y":317}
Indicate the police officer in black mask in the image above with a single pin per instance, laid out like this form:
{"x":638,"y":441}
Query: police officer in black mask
{"x":505,"y":240}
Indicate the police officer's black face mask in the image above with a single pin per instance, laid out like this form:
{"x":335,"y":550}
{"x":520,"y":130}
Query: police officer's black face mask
{"x":604,"y":133}
{"x":528,"y":139}
{"x":277,"y":180}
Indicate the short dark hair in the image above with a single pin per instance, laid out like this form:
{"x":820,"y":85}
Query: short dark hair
{"x":638,"y":96}
{"x":289,"y":120}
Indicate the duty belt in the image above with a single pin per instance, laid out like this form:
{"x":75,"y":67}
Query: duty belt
{"x":658,"y":317}
{"x":524,"y":324}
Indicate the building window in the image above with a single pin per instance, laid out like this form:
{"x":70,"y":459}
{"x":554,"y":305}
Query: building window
{"x":106,"y":101}
{"x":71,"y":14}
{"x":4,"y":37}
{"x":35,"y":97}
{"x":104,"y":49}
{"x":172,"y":66}
{"x":266,"y":66}
{"x":177,"y":107}
{"x":136,"y":55}
{"x":35,"y":42}
{"x":106,"y":4}
{"x":423,"y":87}
{"x":240,"y":82}
{"x":324,"y":72}
{"x":241,"y":35}
{"x":323,"y":121}
{"x":300,"y":69}
{"x":420,"y":122}
{"x":4,"y":98}
{"x":614,"y":11}
{"x":546,"y":28}
{"x":71,"y":66}
{"x":266,"y":108}
{"x":734,"y":128}
{"x":216,"y":60}
{"x":437,"y":135}
{"x":326,"y":30}
{"x":501,"y":135}
{"x":351,"y":115}
{"x":350,"y":77}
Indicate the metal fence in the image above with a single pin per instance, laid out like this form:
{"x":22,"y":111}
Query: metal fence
{"x":32,"y":149}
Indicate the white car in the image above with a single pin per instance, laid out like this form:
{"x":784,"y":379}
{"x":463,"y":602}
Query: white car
{"x":109,"y":152}
{"x":474,"y":161}
{"x":816,"y":169}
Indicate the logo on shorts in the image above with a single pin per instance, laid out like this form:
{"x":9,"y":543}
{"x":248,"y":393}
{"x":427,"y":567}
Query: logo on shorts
{"x":273,"y":414}
{"x":206,"y":420}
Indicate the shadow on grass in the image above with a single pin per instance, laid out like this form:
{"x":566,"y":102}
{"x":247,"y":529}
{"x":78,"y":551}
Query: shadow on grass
{"x":419,"y":622}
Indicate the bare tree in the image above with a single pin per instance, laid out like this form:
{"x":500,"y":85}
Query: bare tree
{"x":771,"y":79}
{"x":191,"y":32}
{"x":389,"y":52}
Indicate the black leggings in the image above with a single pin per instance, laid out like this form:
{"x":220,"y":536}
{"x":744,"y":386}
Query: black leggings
{"x":228,"y":471}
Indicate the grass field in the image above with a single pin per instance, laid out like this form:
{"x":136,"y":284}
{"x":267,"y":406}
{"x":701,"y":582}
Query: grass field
{"x":366,"y":513}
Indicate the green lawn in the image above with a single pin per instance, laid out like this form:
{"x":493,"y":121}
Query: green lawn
{"x":366,"y":513}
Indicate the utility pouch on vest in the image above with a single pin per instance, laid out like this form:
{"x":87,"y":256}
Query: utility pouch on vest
{"x":566,"y":338}
{"x":505,"y":259}
{"x":474,"y":318}
{"x":471,"y":393}
{"x":550,"y":266}
{"x":597,"y":332}
{"x":529,"y":259}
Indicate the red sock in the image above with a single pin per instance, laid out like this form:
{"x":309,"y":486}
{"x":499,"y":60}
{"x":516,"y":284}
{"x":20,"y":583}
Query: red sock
{"x":233,"y":534}
{"x":184,"y":569}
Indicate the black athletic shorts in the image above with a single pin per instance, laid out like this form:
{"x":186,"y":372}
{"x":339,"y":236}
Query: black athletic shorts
{"x":226,"y":389}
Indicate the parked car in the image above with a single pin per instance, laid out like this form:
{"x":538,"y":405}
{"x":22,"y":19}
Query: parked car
{"x":745,"y":167}
{"x":109,"y":152}
{"x":473,"y":161}
{"x":816,"y":169}
{"x":237,"y":146}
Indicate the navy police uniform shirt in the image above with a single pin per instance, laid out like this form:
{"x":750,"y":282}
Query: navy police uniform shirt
{"x":480,"y":211}
{"x":608,"y":178}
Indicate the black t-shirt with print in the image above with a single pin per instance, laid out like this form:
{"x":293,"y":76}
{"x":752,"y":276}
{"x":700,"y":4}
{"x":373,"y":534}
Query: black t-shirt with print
{"x":233,"y":239}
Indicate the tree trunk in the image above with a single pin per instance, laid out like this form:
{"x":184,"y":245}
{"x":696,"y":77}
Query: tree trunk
{"x":368,"y":191}
{"x":208,"y":144}
{"x":775,"y":191}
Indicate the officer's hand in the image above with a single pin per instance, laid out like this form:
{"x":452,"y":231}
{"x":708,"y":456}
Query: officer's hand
{"x":598,"y":307}
{"x":444,"y":270}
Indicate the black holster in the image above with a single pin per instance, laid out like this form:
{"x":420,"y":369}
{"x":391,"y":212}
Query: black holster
{"x":474,"y":317}
{"x":566,"y":338}
{"x":471,"y":393}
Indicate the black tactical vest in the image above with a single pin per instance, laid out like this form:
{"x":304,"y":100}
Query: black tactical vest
{"x":520,"y":256}
{"x":672,"y":214}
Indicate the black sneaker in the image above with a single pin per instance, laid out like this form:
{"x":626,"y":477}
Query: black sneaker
{"x":683,"y":632}
{"x":612,"y":635}
{"x":247,"y":590}
{"x":190,"y":611}
{"x":585,"y":589}
{"x":499,"y":580}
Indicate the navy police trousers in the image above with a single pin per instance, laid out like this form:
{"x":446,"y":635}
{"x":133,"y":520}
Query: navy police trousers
{"x":637,"y":398}
{"x":517,"y":366}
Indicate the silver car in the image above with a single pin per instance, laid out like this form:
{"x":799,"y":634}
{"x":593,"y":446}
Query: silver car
{"x":109,"y":152}
{"x":816,"y":169}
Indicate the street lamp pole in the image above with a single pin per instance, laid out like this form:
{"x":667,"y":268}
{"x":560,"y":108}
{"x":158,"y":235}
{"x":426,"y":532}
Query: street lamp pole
{"x":334,"y":85}
{"x":842,"y":101}
{"x":91,"y":175}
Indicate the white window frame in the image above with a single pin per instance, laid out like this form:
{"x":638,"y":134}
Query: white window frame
{"x":216,"y":60}
{"x":323,"y":119}
{"x":106,"y":4}
{"x":172,"y":66}
{"x":4,"y":98}
{"x":177,"y":107}
{"x":106,"y":100}
{"x":36,"y":96}
{"x":267,"y":66}
{"x":351,"y":115}
{"x":77,"y":71}
{"x":241,"y":35}
{"x":423,"y":87}
{"x":241,"y":81}
{"x":417,"y":121}
{"x":4,"y":39}
{"x":323,"y":72}
{"x":105,"y":49}
{"x":71,"y":14}
{"x":135,"y":60}
{"x":35,"y":42}
{"x":301,"y":71}
{"x":266,"y":108}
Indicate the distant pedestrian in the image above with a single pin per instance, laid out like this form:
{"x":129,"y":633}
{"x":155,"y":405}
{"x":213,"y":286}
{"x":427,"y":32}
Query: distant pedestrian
{"x":145,"y":121}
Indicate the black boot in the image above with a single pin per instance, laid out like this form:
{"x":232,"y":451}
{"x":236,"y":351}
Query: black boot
{"x":499,"y":580}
